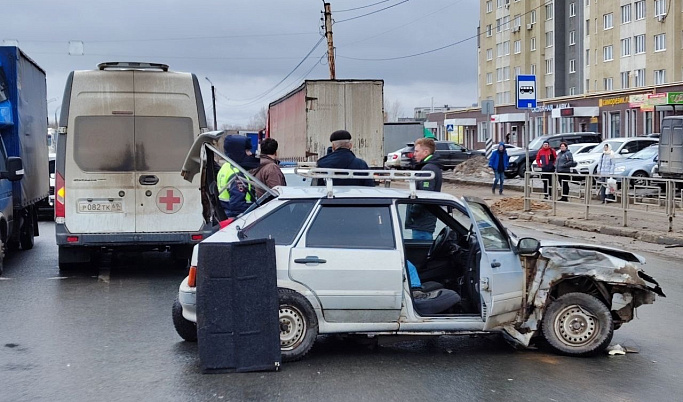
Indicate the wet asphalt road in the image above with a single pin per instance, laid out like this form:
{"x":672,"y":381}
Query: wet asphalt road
{"x":107,"y":335}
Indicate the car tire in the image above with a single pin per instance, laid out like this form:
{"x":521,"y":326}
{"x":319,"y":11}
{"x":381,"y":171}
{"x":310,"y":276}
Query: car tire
{"x":298,"y":325}
{"x":2,"y":256}
{"x":521,"y":169}
{"x":186,"y":329}
{"x":26,"y":233}
{"x":641,"y":181}
{"x":578,"y":324}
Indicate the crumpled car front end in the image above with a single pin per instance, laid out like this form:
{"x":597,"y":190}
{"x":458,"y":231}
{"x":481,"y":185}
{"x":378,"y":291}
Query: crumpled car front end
{"x":610,"y":275}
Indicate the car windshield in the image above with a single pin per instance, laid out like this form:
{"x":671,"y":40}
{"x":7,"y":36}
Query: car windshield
{"x":647,"y":153}
{"x":614,"y":145}
{"x":536,"y":143}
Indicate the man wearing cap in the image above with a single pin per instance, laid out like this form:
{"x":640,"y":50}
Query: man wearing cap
{"x":342,"y":158}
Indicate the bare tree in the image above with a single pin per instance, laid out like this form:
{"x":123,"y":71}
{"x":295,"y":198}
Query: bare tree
{"x":392,"y":110}
{"x":258,"y":121}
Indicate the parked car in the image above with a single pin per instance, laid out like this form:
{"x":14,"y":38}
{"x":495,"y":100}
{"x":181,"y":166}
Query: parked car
{"x":46,"y":207}
{"x":621,"y":147}
{"x":450,"y":154}
{"x":343,"y":260}
{"x":394,"y":161}
{"x":517,"y":164}
{"x":641,"y":165}
{"x":575,"y":149}
{"x":508,"y":147}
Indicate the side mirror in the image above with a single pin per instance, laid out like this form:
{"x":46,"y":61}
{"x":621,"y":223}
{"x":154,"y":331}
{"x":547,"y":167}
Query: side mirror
{"x":15,"y":169}
{"x":528,"y":246}
{"x":624,"y":151}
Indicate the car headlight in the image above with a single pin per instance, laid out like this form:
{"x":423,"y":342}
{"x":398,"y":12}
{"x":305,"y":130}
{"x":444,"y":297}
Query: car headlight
{"x":587,"y":162}
{"x":619,"y":169}
{"x":513,"y":159}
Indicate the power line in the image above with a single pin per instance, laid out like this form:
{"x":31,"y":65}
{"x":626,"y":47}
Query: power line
{"x":442,"y":47}
{"x":264,"y":94}
{"x":372,"y":12}
{"x":361,"y":7}
{"x":402,"y":25}
{"x":179,"y":38}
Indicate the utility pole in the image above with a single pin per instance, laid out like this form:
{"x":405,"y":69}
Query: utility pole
{"x":213,"y":104}
{"x":330,"y":44}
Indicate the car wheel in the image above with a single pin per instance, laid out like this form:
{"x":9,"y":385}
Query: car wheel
{"x":521,"y":169}
{"x":298,"y":325}
{"x":641,"y":179}
{"x":578,"y":324}
{"x":27,"y":235}
{"x":2,"y":255}
{"x":186,"y":329}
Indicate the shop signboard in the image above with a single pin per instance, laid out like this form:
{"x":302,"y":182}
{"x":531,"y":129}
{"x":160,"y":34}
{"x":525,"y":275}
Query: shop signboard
{"x":637,"y":100}
{"x":652,"y":101}
{"x":675,"y":98}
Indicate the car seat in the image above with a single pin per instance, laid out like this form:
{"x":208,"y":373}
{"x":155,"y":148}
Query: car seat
{"x":435,"y":301}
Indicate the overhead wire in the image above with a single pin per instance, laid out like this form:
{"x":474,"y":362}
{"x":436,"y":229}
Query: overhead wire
{"x":441,"y":47}
{"x":361,"y":7}
{"x":372,"y":12}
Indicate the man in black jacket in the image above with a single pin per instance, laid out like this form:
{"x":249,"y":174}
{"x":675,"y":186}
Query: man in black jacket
{"x":342,"y":158}
{"x":418,"y":218}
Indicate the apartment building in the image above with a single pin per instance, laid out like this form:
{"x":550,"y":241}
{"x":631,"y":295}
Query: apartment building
{"x":612,"y":66}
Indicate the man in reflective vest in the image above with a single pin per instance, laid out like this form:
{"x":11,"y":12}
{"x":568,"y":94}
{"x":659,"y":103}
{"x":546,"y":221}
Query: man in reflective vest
{"x":235,"y":191}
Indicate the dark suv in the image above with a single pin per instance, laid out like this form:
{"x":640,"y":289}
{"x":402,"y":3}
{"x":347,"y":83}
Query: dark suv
{"x":450,"y":154}
{"x":517,"y":165}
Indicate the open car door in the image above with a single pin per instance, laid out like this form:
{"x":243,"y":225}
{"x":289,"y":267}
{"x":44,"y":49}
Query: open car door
{"x":203,"y":158}
{"x":501,"y":277}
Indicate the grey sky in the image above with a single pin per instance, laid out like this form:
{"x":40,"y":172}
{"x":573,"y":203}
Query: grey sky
{"x":245,"y":47}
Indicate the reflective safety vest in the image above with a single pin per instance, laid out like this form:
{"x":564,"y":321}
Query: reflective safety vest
{"x":234,"y":188}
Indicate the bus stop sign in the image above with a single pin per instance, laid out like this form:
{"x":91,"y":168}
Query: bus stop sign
{"x":526,"y":91}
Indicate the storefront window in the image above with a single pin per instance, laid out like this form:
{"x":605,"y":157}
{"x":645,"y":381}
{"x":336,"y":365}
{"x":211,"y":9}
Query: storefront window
{"x":648,"y":122}
{"x":539,"y":127}
{"x":615,"y":124}
{"x":567,"y":124}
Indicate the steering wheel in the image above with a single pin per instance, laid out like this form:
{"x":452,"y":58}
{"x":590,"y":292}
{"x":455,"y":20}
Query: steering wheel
{"x":440,"y":242}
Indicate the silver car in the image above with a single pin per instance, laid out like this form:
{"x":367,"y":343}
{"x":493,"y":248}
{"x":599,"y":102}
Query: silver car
{"x":382,"y":261}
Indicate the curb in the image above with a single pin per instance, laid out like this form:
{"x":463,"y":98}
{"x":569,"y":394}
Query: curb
{"x":642,"y":235}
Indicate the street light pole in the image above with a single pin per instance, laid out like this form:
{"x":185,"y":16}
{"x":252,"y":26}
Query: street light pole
{"x":213,"y":103}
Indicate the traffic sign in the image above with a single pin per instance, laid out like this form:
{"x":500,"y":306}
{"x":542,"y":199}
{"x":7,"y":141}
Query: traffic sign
{"x":526,"y":91}
{"x":449,"y":127}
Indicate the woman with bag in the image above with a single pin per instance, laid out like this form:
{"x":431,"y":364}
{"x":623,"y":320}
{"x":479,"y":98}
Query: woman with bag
{"x":605,"y":168}
{"x":565,"y":161}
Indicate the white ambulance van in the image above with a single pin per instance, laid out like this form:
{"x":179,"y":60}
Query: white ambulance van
{"x":124,"y":132}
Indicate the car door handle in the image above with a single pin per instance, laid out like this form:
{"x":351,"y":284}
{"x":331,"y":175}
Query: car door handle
{"x":495,"y":264}
{"x":148,"y":180}
{"x":310,"y":259}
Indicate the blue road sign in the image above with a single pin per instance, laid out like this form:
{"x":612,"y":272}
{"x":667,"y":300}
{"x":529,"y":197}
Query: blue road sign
{"x":449,"y":127}
{"x":526,"y":91}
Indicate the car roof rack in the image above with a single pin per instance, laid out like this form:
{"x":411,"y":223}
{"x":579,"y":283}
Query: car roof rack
{"x":131,"y":65}
{"x":411,"y":176}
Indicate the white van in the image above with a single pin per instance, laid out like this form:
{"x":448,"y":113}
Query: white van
{"x":125,"y":130}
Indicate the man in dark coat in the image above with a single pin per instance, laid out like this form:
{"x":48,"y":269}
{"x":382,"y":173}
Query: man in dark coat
{"x":342,"y":158}
{"x":418,"y":218}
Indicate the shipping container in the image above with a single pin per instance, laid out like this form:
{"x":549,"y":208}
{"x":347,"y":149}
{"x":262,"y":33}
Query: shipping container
{"x":303,"y":120}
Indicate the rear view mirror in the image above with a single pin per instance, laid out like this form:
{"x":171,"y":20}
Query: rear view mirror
{"x":15,"y":169}
{"x":528,"y":246}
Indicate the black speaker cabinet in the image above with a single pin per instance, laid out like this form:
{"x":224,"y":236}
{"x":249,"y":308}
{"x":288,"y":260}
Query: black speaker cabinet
{"x":237,"y":307}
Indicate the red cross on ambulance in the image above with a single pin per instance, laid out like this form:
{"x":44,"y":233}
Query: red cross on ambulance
{"x":169,"y":200}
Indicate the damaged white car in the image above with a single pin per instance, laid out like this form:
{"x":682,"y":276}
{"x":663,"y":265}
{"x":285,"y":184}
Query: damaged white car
{"x":381,"y":261}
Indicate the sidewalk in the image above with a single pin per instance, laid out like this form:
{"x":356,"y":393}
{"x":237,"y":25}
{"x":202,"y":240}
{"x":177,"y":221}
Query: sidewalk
{"x":645,"y":226}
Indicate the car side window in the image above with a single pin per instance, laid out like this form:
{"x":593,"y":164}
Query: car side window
{"x":630,"y":147}
{"x":454,"y":147}
{"x":572,"y":139}
{"x":645,"y":144}
{"x":355,"y":227}
{"x":554,"y":142}
{"x":590,"y":138}
{"x":283,"y":224}
{"x":442,"y":146}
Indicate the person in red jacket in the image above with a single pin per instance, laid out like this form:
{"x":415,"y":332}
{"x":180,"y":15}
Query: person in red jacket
{"x":545,"y":159}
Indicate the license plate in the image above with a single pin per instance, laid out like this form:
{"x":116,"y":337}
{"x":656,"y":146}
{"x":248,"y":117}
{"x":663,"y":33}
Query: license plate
{"x":100,"y":206}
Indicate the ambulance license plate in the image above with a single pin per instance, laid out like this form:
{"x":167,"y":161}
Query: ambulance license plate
{"x":100,"y":206}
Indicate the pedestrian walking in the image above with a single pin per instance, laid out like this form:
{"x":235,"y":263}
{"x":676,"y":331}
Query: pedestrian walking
{"x":605,"y":168}
{"x":565,"y":161}
{"x":545,"y":159}
{"x":499,"y":162}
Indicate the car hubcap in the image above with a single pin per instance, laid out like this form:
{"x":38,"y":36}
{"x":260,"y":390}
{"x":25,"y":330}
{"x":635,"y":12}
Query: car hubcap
{"x":576,"y":326}
{"x":292,"y":327}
